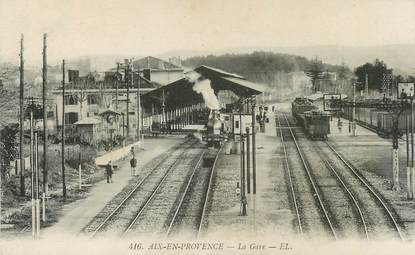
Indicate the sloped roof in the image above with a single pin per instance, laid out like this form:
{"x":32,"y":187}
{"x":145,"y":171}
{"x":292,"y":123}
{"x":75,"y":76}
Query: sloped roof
{"x":246,"y":84}
{"x":181,"y":92}
{"x":109,"y":111}
{"x":154,"y":63}
{"x":206,"y":70}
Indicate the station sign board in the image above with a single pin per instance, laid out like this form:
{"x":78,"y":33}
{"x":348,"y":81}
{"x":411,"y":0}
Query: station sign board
{"x":405,"y":90}
{"x":331,"y":102}
{"x":241,"y":122}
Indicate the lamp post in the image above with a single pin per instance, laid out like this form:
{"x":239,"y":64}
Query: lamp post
{"x":354,"y":110}
{"x":242,"y":173}
{"x":408,"y":120}
{"x":123,"y":125}
{"x":253,"y":102}
{"x":248,"y":163}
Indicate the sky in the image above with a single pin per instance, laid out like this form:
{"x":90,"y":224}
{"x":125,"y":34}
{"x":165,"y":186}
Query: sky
{"x":151,"y":27}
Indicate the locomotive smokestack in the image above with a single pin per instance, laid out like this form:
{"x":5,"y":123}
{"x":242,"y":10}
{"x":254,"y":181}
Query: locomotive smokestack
{"x":202,"y":86}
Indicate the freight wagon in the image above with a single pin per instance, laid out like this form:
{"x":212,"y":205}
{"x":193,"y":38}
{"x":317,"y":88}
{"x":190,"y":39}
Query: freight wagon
{"x":377,"y":120}
{"x":316,"y":123}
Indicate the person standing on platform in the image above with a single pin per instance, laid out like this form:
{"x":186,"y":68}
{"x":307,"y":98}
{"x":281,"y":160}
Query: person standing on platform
{"x":339,"y":125}
{"x":133,"y":164}
{"x":132,"y":151}
{"x":108,"y":171}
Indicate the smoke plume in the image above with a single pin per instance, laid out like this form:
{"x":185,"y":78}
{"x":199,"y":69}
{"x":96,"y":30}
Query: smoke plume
{"x":203,"y":87}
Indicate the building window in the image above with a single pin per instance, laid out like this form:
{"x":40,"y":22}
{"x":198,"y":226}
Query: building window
{"x":71,"y":117}
{"x":92,"y":99}
{"x":50,"y":114}
{"x":71,"y":100}
{"x":237,"y":124}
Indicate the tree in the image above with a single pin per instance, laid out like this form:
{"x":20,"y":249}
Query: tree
{"x":375,"y":72}
{"x":316,"y":73}
{"x":263,"y":67}
{"x":343,"y":74}
{"x":8,"y":148}
{"x":7,"y":71}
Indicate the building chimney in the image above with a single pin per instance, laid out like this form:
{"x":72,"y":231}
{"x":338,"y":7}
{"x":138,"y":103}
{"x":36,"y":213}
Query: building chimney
{"x":147,"y":73}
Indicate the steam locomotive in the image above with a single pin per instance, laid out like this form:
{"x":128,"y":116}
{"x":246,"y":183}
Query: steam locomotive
{"x":217,"y":128}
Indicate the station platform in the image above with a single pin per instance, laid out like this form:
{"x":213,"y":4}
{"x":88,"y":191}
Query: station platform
{"x":372,"y":155}
{"x":268,"y":211}
{"x":368,"y":149}
{"x":75,"y":216}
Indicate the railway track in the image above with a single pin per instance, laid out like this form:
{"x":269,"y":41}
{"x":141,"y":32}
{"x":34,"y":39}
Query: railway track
{"x":308,"y":214}
{"x":189,"y":218}
{"x":350,"y":194}
{"x":151,"y":218}
{"x":365,"y":190}
{"x":373,"y":216}
{"x":117,"y":214}
{"x":290,"y":180}
{"x":342,"y":206}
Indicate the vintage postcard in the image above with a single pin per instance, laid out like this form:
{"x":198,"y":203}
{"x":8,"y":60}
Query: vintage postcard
{"x":207,"y":127}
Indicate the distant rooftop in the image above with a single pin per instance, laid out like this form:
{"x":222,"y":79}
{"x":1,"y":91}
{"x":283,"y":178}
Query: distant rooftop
{"x":154,"y":64}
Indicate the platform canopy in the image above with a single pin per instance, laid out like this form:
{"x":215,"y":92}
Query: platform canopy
{"x":180,"y":92}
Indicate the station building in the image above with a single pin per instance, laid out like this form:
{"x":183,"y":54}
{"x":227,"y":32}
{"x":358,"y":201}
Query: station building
{"x":176,"y":105}
{"x":88,"y":102}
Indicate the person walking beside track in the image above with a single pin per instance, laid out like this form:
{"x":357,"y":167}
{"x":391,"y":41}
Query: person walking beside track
{"x":108,"y":171}
{"x":133,"y":164}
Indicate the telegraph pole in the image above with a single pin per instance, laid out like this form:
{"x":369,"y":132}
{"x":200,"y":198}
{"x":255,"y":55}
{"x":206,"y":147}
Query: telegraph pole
{"x":22,"y":184}
{"x":45,"y":140}
{"x":116,"y":88}
{"x":63,"y":130}
{"x":253,"y":147}
{"x":127,"y":66}
{"x":36,"y":167}
{"x":412,"y":146}
{"x":248,"y":162}
{"x":354,"y":110}
{"x":32,"y":170}
{"x":163,"y":106}
{"x":408,"y":168}
{"x":138,"y":108}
